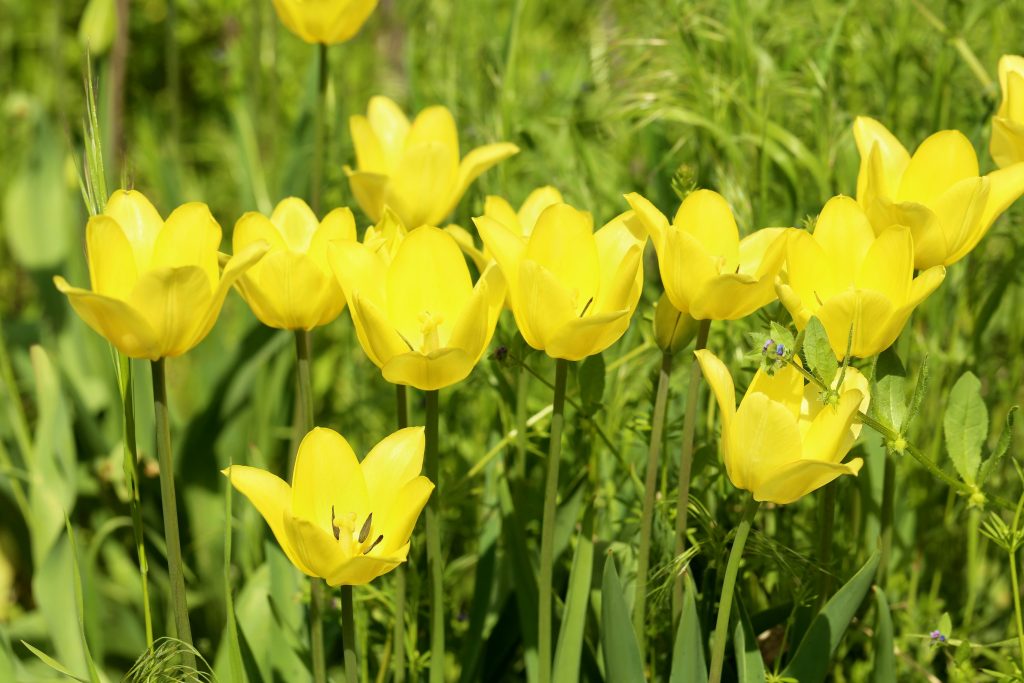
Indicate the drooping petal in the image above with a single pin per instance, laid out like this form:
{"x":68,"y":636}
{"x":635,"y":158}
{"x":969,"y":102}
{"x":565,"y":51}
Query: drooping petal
{"x":707,"y":217}
{"x":763,"y":252}
{"x":327,"y":475}
{"x":272,"y":497}
{"x":1005,"y":187}
{"x":941,"y":161}
{"x":720,"y":381}
{"x":795,"y":480}
{"x":115,"y":320}
{"x":236,"y":266}
{"x":472,"y":166}
{"x":111,"y":259}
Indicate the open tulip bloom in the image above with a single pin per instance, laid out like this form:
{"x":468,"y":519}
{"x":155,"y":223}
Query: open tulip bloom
{"x":707,"y":270}
{"x":573,"y":290}
{"x":292,"y":287}
{"x":342,"y":520}
{"x":937,"y":192}
{"x":782,"y":442}
{"x":1007,"y":142}
{"x":418,"y":315}
{"x":415,"y":169}
{"x":324,"y":21}
{"x":156,"y":286}
{"x":847,"y":277}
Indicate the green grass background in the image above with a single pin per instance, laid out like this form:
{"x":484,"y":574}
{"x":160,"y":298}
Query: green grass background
{"x":752,"y":98}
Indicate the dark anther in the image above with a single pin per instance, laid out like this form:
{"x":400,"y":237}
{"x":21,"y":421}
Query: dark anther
{"x":334,"y":527}
{"x":365,"y":531}
{"x":374,"y":545}
{"x":589,"y":301}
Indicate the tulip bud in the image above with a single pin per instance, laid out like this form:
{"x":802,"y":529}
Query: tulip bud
{"x":673,"y":329}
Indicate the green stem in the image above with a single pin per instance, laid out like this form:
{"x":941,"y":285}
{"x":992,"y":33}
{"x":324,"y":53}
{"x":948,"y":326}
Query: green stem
{"x":888,"y":504}
{"x":319,"y":131}
{"x":398,"y":667}
{"x":304,"y":423}
{"x":434,"y":559}
{"x":179,"y":604}
{"x":1016,"y":604}
{"x":973,"y":566}
{"x":348,"y":635}
{"x":522,"y":394}
{"x":547,"y":538}
{"x":686,"y":463}
{"x":650,"y":488}
{"x":728,"y":588}
{"x":827,"y":524}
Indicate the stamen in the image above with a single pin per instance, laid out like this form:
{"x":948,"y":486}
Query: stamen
{"x":589,"y":301}
{"x":365,"y":531}
{"x":334,"y":527}
{"x":818,"y":298}
{"x":374,"y":544}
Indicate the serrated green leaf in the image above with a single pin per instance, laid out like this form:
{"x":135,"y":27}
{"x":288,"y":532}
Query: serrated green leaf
{"x":810,"y":664}
{"x":688,"y":663}
{"x":622,"y":662}
{"x":1002,"y":446}
{"x":966,"y":426}
{"x":888,"y":394}
{"x":884,"y":670}
{"x":818,"y":352}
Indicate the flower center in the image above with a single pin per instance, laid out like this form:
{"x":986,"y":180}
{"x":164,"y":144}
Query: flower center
{"x":429,"y":324}
{"x":357,"y":540}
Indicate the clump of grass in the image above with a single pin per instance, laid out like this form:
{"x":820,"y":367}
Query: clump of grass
{"x":165,"y":664}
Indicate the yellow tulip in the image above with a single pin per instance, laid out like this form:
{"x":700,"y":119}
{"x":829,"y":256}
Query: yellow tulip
{"x":706,"y":269}
{"x":342,"y":520}
{"x":417,"y":314}
{"x":292,"y":287}
{"x":846,"y":276}
{"x":937,"y":192}
{"x":324,"y":21}
{"x":1007,"y":142}
{"x":573,"y":291}
{"x":414,"y":169}
{"x":783,"y":442}
{"x":156,"y":288}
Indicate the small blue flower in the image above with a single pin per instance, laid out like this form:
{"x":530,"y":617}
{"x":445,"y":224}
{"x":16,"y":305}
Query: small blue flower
{"x":764,"y":349}
{"x":937,"y":636}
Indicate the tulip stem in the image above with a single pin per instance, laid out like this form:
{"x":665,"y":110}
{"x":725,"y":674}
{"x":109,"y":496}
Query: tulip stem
{"x":434,"y":559}
{"x":547,"y":537}
{"x":398,"y":668}
{"x":304,"y":423}
{"x":686,"y":463}
{"x":728,"y":588}
{"x":348,"y":635}
{"x":168,"y":501}
{"x":319,"y":131}
{"x":650,"y":488}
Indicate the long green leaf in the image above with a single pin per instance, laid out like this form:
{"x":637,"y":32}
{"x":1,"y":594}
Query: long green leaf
{"x":570,"y":637}
{"x":688,"y":663}
{"x":810,"y":663}
{"x":53,"y":663}
{"x":622,"y":662}
{"x":749,"y":662}
{"x":885,"y":653}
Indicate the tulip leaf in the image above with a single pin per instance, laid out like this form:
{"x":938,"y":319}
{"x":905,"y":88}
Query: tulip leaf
{"x":749,"y":662}
{"x":574,"y":620}
{"x":622,"y":661}
{"x":885,"y":657}
{"x":889,"y":393}
{"x":688,"y":663}
{"x":818,"y":352}
{"x":810,"y":663}
{"x":966,"y":426}
{"x":1002,"y":446}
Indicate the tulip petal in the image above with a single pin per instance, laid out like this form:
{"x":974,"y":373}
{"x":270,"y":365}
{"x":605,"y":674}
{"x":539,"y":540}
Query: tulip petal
{"x":763,"y":252}
{"x":475,"y":325}
{"x":391,"y":127}
{"x":339,"y":224}
{"x":396,"y":460}
{"x":541,"y":304}
{"x":369,"y":189}
{"x":174,"y":301}
{"x":828,"y":437}
{"x":468,"y":246}
{"x":362,"y":569}
{"x":785,"y":387}
{"x":563,"y":244}
{"x":369,"y":153}
{"x":686,"y":267}
{"x":115,"y":320}
{"x":844,"y":233}
{"x":378,"y":337}
{"x":1007,"y":142}
{"x":349,"y":20}
{"x":653,"y":219}
{"x":111,"y":259}
{"x":620,"y":245}
{"x":797,"y":479}
{"x":732,"y":296}
{"x":706,"y":216}
{"x":941,"y":161}
{"x":318,"y":552}
{"x":893,"y":158}
{"x":888,"y":266}
{"x":1009,"y":65}
{"x":139,"y":220}
{"x":1005,"y":187}
{"x":272,"y":496}
{"x":326,"y":475}
{"x":504,"y":245}
{"x":589,"y":335}
{"x":435,"y":124}
{"x":868,"y":313}
{"x":534,"y":206}
{"x":793,"y":303}
{"x":473,"y":165}
{"x":960,"y":212}
{"x":720,"y":381}
{"x":409,"y":501}
{"x":500,"y":210}
{"x":189,"y":237}
{"x":764,"y":437}
{"x":253,"y":227}
{"x":236,"y":266}
{"x":429,"y":372}
{"x":296,"y":223}
{"x":296,"y":289}
{"x":359,"y":270}
{"x":420,"y":184}
{"x":811,"y":277}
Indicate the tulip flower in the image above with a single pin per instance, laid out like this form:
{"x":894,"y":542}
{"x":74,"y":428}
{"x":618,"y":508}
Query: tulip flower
{"x":1007,"y":143}
{"x":417,"y":314}
{"x":847,"y":277}
{"x":292,"y":287}
{"x":783,"y":442}
{"x":156,"y":287}
{"x":520,"y":222}
{"x":937,"y":192}
{"x":342,"y":520}
{"x":414,"y":169}
{"x":707,"y":271}
{"x":573,"y":291}
{"x":324,"y":21}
